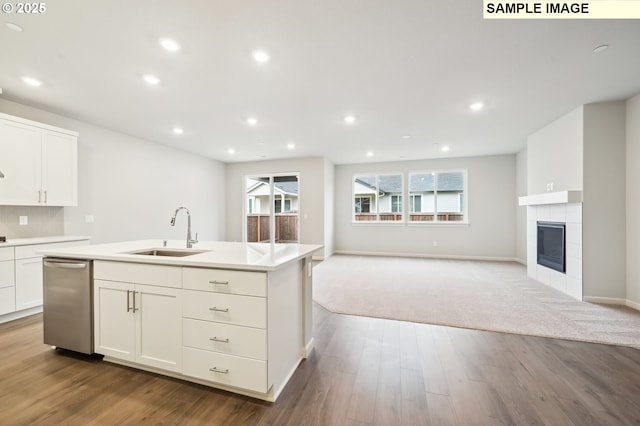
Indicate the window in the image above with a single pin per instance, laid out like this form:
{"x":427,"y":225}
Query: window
{"x":278,"y":206}
{"x":437,"y":196}
{"x":377,"y":198}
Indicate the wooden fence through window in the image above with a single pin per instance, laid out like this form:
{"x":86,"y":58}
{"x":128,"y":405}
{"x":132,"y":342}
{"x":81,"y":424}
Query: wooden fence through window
{"x":286,"y":228}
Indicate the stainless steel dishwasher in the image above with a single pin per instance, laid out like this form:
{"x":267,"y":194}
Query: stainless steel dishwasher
{"x":68,"y":304}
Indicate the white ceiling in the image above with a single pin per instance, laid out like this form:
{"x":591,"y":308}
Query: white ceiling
{"x":409,"y":67}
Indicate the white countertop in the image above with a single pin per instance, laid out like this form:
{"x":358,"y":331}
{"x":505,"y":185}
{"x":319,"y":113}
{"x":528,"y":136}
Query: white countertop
{"x":41,"y":240}
{"x":218,"y":254}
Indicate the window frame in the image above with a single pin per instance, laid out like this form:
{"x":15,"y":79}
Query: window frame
{"x":374,"y":199}
{"x":407,"y":200}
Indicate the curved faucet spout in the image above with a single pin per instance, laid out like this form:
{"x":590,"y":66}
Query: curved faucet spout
{"x":173,"y":223}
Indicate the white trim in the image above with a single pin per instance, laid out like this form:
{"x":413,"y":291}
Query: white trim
{"x":560,"y":197}
{"x":20,"y":314}
{"x":605,"y":300}
{"x":425,"y":255}
{"x":612,"y":301}
{"x":632,"y":304}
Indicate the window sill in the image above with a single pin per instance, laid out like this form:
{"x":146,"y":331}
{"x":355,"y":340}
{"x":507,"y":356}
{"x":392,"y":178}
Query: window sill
{"x":414,"y":224}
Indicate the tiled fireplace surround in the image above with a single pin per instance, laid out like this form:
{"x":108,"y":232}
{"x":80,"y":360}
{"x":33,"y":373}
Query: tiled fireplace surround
{"x":563,"y":207}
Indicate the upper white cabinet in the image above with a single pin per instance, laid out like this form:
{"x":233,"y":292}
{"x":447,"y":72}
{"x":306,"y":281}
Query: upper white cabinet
{"x":39,"y":163}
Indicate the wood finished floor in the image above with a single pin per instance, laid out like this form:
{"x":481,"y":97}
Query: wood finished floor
{"x":363,"y":371}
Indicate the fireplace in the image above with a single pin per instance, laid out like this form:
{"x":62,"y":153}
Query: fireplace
{"x":551,"y":245}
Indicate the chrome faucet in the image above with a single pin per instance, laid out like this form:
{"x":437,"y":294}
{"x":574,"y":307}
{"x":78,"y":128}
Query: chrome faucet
{"x":190,"y":242}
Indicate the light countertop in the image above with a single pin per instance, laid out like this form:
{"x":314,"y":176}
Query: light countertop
{"x":217,"y":254}
{"x":41,"y":240}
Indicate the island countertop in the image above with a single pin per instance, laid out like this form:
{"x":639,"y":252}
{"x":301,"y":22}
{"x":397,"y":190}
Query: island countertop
{"x":210,"y":254}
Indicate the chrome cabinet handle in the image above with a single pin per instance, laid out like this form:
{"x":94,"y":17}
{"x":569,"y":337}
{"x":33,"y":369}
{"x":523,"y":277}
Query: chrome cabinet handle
{"x":134,"y":301}
{"x":215,"y":339}
{"x":219,"y":282}
{"x":216,"y":309}
{"x":217,"y":370}
{"x":45,"y":196}
{"x":39,"y":196}
{"x":128,"y":302}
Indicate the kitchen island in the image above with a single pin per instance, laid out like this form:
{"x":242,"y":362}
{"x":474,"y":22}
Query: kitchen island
{"x":235,"y":316}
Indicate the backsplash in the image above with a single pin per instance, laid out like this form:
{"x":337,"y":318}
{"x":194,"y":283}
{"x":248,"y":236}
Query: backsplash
{"x":42,"y":221}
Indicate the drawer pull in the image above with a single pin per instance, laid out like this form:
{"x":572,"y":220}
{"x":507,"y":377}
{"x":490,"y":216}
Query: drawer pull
{"x":215,"y":309}
{"x":216,"y":339}
{"x":219,"y":282}
{"x":216,"y":370}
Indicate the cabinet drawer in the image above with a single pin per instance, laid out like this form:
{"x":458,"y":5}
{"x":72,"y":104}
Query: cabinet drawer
{"x":7,"y":300}
{"x":139,"y":273}
{"x":227,"y":308}
{"x":237,"y":340}
{"x":6,"y":253}
{"x":234,"y":371}
{"x":226,"y":281}
{"x":31,"y":250}
{"x":6,"y":274}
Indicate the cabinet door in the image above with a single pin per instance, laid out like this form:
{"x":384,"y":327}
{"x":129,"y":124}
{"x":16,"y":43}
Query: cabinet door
{"x":28,"y":283}
{"x":7,"y":287}
{"x":59,"y":169}
{"x":114,"y":319}
{"x":159,"y":327}
{"x":20,"y":162}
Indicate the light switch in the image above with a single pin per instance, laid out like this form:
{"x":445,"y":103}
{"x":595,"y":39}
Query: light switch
{"x":88,"y":218}
{"x":24,"y":220}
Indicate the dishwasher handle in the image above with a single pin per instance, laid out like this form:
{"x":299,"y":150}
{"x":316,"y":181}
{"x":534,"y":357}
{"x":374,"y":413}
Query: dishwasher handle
{"x":66,"y":265}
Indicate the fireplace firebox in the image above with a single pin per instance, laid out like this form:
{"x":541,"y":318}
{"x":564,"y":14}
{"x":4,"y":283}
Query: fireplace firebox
{"x":551,"y":245}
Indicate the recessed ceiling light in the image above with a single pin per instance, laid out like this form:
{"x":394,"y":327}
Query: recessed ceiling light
{"x":406,"y":137}
{"x":600,"y":48}
{"x":151,"y":79}
{"x":369,"y":153}
{"x":14,"y":27}
{"x":177,"y":130}
{"x":476,"y":106}
{"x":260,"y":56}
{"x":32,"y":81}
{"x":252,"y":121}
{"x":170,"y":45}
{"x":231,"y":151}
{"x":444,"y":148}
{"x":291,"y":145}
{"x":350,"y":119}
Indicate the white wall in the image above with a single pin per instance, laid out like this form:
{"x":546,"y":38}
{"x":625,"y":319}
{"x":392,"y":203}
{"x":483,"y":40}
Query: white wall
{"x":521,"y":216}
{"x":491,"y":203}
{"x":633,"y":200}
{"x":603,"y":208}
{"x":554,"y":155}
{"x":132,"y":186}
{"x":329,"y":206}
{"x":312,"y":196}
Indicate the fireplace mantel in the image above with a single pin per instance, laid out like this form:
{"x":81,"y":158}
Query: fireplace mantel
{"x":559,"y":197}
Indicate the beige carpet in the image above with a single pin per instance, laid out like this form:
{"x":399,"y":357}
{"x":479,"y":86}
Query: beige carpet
{"x":494,"y":296}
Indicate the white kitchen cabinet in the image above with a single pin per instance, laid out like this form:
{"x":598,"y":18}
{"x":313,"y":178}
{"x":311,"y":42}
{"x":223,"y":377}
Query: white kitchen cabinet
{"x":28,"y":283}
{"x":7,"y":282}
{"x":139,"y":323}
{"x":40,"y":163}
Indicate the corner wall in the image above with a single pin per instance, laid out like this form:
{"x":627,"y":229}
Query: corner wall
{"x":633,"y":200}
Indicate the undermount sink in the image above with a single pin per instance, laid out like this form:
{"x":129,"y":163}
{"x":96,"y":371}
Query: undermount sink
{"x":168,"y":252}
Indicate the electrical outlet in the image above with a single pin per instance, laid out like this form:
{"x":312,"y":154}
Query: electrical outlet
{"x":88,"y":218}
{"x":550,"y":186}
{"x":24,"y":220}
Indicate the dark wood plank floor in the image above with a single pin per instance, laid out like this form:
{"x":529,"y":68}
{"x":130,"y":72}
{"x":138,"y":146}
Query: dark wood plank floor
{"x":363,"y":371}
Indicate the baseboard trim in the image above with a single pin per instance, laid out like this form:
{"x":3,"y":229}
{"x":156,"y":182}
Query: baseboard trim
{"x":425,"y":255}
{"x":634,"y":305}
{"x":605,"y":300}
{"x":20,"y":314}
